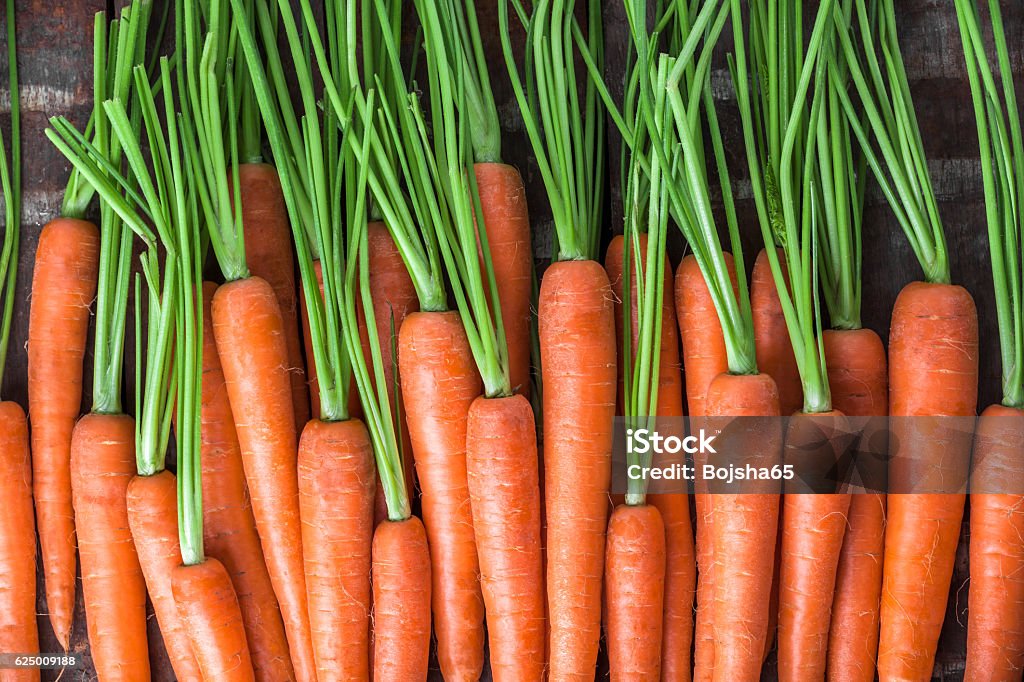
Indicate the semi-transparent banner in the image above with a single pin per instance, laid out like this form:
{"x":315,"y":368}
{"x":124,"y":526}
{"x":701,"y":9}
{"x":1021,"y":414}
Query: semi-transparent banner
{"x":819,"y":454}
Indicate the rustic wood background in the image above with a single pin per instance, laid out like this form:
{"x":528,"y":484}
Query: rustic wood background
{"x":55,"y":58}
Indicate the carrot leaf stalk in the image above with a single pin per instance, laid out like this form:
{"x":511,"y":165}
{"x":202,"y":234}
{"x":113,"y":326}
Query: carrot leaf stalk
{"x":778,"y":133}
{"x":10,"y":184}
{"x":565,"y":128}
{"x":897,"y":158}
{"x":1002,"y":165}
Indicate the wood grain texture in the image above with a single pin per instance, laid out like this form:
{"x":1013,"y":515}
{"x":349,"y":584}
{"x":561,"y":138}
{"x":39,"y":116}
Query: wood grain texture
{"x":55,"y":58}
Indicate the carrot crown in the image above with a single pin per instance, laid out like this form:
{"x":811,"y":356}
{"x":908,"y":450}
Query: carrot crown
{"x":1002,"y":166}
{"x":891,"y":139}
{"x":10,"y":184}
{"x":780,"y":146}
{"x":839,"y":187}
{"x":562,"y":119}
{"x":456,"y":215}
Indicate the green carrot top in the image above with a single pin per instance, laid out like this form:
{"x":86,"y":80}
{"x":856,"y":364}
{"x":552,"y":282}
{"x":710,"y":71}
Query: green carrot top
{"x":1002,"y":167}
{"x":10,"y":184}
{"x":840,"y":179}
{"x":778,"y":133}
{"x":669,"y":112}
{"x":125,"y":49}
{"x":564,"y":124}
{"x":891,"y":138}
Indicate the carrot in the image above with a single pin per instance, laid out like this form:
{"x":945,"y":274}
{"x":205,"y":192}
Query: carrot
{"x":401,"y":597}
{"x":102,"y":465}
{"x":153,"y":519}
{"x":248,"y":329}
{"x":212,"y":618}
{"x":18,"y":631}
{"x":336,"y":474}
{"x":578,"y":361}
{"x":635,"y":569}
{"x":394,"y":298}
{"x":268,"y":252}
{"x":63,"y":286}
{"x":704,"y":358}
{"x":858,"y":380}
{"x":439,"y":383}
{"x":743,"y":529}
{"x":576,"y":325}
{"x":507,"y":221}
{"x":933,"y":370}
{"x":680,"y":570}
{"x":229,"y":529}
{"x":501,"y":460}
{"x":933,"y":364}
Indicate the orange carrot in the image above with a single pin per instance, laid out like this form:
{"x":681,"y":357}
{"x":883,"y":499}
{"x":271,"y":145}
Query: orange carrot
{"x":102,"y":465}
{"x":250,"y":340}
{"x":812,"y":538}
{"x":995,"y":641}
{"x":933,"y":371}
{"x":268,"y":253}
{"x":229,"y":529}
{"x":501,"y":460}
{"x":18,"y":631}
{"x":858,"y":380}
{"x":439,"y":383}
{"x":401,"y":595}
{"x":704,"y":358}
{"x":578,"y":360}
{"x":212,"y":618}
{"x":635,"y":570}
{"x":507,"y":221}
{"x":63,"y":286}
{"x":680,"y":568}
{"x":336,"y":475}
{"x":743,"y":529}
{"x":153,"y":519}
{"x":771,"y":338}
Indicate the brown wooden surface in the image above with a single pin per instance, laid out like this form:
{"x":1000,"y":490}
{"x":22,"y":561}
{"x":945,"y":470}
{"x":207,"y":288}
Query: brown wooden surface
{"x":56,"y":56}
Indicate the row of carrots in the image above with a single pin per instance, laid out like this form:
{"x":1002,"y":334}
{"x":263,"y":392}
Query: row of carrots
{"x":373,"y":338}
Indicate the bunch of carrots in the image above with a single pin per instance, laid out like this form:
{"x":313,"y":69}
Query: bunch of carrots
{"x":366,"y":438}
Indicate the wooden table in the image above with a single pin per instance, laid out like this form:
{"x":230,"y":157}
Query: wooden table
{"x":55,"y":58}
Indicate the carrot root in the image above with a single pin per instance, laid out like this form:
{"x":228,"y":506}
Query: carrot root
{"x":401,"y":601}
{"x":578,"y":361}
{"x":102,"y":465}
{"x":63,"y":285}
{"x":501,"y":459}
{"x":209,"y":610}
{"x":18,"y":631}
{"x":336,"y":475}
